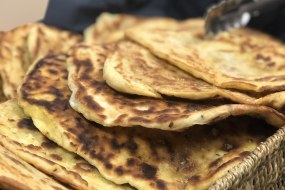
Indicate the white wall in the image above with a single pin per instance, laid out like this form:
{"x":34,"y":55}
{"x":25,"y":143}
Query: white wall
{"x":16,"y":12}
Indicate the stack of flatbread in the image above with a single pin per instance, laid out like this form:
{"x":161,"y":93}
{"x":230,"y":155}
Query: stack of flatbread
{"x":134,"y":103}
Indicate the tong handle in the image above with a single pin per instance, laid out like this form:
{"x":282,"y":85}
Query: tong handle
{"x":254,"y":8}
{"x":260,"y":5}
{"x":236,"y":13}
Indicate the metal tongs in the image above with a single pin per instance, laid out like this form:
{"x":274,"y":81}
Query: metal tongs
{"x":236,"y":13}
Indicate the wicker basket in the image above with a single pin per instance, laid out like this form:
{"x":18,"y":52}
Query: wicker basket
{"x":264,"y":168}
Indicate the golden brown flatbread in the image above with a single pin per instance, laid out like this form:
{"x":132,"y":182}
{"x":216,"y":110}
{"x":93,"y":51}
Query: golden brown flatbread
{"x":92,"y":97}
{"x":148,"y":159}
{"x":1,"y":35}
{"x":133,"y":69}
{"x":16,"y":174}
{"x":24,"y":44}
{"x":19,"y":135}
{"x":13,"y":58}
{"x":43,"y":40}
{"x":2,"y":96}
{"x":110,"y":28}
{"x":241,"y":59}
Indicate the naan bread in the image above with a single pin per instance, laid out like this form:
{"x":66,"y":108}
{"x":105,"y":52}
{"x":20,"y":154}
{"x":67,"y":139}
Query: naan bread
{"x":240,"y":59}
{"x":2,"y":96}
{"x":15,"y":174}
{"x":1,"y":35}
{"x":133,"y":69}
{"x":23,"y":45}
{"x":275,"y":100}
{"x":148,"y":159}
{"x":13,"y":58}
{"x":110,"y":28}
{"x":92,"y":97}
{"x":43,"y":40}
{"x":20,"y":136}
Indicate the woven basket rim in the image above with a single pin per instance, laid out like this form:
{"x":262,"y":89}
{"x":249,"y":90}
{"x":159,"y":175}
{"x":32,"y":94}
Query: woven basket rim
{"x":254,"y":159}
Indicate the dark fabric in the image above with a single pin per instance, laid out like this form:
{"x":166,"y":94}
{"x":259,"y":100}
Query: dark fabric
{"x":76,"y":15}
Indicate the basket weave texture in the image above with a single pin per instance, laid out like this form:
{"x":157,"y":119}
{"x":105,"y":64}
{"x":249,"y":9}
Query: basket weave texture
{"x":263,"y":169}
